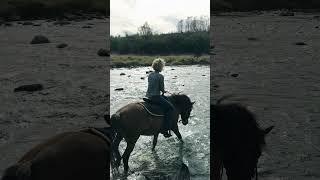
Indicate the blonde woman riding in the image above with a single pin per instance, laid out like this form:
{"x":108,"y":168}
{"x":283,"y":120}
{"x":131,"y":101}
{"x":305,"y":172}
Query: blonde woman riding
{"x":156,"y":92}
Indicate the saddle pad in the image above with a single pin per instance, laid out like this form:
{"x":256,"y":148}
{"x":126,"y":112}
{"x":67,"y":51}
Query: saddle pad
{"x":152,"y":109}
{"x":105,"y":133}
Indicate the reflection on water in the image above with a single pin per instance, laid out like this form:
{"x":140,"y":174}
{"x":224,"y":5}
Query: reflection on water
{"x":170,"y":154}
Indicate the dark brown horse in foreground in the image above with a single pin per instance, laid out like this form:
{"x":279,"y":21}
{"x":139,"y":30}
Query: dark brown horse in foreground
{"x":134,"y":120}
{"x":79,"y":155}
{"x":237,"y":141}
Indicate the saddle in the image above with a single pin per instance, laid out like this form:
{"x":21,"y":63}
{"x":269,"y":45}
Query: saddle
{"x":152,"y":108}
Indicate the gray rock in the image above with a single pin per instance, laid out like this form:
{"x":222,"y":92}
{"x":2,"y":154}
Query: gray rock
{"x":39,"y":39}
{"x":234,"y":75}
{"x":7,"y":24}
{"x":286,"y":13}
{"x":62,"y":45}
{"x":300,"y":43}
{"x":103,"y":52}
{"x":29,"y":88}
{"x":27,"y":23}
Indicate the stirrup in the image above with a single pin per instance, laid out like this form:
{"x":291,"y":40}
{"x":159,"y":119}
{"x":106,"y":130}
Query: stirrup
{"x":166,"y":134}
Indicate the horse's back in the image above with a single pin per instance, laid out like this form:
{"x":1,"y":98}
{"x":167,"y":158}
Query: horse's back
{"x":35,"y":150}
{"x":134,"y":119}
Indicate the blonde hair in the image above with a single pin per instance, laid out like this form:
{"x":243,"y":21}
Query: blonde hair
{"x":158,"y":64}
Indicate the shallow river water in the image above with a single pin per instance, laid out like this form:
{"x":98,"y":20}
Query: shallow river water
{"x":170,"y":153}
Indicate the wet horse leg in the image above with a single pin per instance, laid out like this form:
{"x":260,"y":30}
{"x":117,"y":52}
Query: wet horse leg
{"x":177,"y":133}
{"x":115,"y":148}
{"x":130,"y":146}
{"x":155,"y":140}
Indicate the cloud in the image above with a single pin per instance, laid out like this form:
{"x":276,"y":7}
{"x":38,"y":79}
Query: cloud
{"x":162,"y":15}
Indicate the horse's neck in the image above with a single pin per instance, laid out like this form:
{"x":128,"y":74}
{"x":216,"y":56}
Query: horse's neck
{"x":172,"y":101}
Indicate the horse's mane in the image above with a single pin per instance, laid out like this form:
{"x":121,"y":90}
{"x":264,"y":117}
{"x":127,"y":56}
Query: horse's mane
{"x":180,"y":100}
{"x":237,"y":135}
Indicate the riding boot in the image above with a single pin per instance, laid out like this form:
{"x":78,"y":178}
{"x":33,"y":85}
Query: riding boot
{"x":166,"y":130}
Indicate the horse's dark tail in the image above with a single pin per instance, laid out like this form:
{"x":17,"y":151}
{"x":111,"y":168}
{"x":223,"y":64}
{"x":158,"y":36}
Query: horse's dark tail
{"x":114,"y":121}
{"x":18,"y":172}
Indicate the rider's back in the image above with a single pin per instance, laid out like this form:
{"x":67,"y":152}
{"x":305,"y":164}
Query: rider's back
{"x":155,"y":84}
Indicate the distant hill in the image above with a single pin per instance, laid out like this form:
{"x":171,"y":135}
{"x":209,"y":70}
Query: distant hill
{"x":35,"y":9}
{"x":248,"y":5}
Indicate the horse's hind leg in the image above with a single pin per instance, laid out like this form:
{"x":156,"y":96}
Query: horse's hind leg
{"x":115,"y":148}
{"x":130,"y":146}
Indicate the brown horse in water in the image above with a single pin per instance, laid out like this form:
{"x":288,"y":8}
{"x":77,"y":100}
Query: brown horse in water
{"x":79,"y":155}
{"x":237,"y":141}
{"x":134,"y":120}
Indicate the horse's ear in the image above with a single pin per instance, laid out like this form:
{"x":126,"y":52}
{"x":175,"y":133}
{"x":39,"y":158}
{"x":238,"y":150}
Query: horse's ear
{"x":107,"y":118}
{"x":266,"y":131}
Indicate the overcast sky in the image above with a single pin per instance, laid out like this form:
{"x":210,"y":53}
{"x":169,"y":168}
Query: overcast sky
{"x":162,"y":15}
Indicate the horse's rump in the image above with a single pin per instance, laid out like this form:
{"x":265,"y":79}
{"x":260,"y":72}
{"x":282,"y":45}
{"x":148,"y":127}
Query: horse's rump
{"x":70,"y":155}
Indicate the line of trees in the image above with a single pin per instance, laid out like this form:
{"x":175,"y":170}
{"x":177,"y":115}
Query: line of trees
{"x":193,"y":24}
{"x":191,"y":37}
{"x":39,"y":9}
{"x":249,"y":5}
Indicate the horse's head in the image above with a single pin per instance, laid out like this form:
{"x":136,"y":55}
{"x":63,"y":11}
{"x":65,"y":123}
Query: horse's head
{"x":243,"y":163}
{"x":239,"y":139}
{"x":184,"y":105}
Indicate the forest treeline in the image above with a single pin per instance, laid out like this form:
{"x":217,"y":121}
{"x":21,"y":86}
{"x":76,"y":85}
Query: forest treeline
{"x":191,"y":37}
{"x":249,"y":5}
{"x":38,"y":9}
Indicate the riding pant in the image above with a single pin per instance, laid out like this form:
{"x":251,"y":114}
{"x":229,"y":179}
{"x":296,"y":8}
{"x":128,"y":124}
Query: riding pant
{"x":167,"y":107}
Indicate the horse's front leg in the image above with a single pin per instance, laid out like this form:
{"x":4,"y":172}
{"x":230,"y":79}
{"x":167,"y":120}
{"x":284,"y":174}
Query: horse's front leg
{"x":155,"y":140}
{"x":177,"y":133}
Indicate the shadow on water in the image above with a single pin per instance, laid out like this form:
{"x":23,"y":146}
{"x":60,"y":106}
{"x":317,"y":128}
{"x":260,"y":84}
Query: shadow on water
{"x":182,"y":173}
